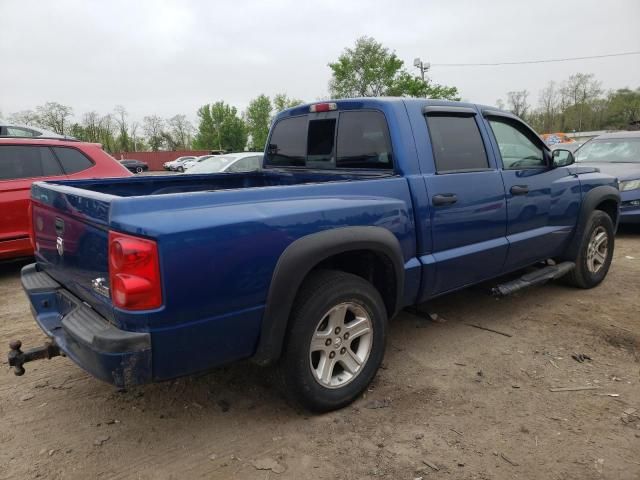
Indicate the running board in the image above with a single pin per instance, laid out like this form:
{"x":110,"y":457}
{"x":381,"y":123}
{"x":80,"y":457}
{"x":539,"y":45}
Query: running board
{"x":538,"y":277}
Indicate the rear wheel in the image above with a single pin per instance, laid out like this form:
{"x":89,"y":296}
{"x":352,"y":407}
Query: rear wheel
{"x":138,"y":169}
{"x":595,"y":252}
{"x":181,"y":169}
{"x":336,"y":340}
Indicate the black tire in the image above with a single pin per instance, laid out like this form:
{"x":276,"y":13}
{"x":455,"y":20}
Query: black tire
{"x":138,"y":169}
{"x":181,"y":169}
{"x":582,"y":276}
{"x":322,"y":291}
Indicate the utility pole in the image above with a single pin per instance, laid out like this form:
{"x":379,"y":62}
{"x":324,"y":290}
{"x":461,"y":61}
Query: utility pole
{"x":423,"y":67}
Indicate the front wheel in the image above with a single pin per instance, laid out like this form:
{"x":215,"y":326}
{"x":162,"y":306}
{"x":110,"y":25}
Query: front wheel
{"x":138,"y":169}
{"x":336,"y":340}
{"x":181,"y":169}
{"x":595,"y":253}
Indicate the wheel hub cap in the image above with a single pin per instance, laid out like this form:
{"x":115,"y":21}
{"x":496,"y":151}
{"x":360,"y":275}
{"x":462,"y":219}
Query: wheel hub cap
{"x":341,"y":345}
{"x":597,"y":250}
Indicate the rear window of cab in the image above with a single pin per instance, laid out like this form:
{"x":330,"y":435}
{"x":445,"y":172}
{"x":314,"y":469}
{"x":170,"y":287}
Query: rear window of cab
{"x":333,"y":140}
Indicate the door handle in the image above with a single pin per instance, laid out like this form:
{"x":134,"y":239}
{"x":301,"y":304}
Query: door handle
{"x":519,"y":190}
{"x":444,"y":199}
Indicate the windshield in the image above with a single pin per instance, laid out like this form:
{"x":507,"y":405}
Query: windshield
{"x":211,"y":165}
{"x":610,"y":150}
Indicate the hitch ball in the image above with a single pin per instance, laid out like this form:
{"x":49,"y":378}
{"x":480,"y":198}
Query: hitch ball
{"x":16,"y":357}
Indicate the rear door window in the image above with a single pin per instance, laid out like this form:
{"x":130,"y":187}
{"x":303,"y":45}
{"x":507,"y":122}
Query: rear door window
{"x":360,"y":141}
{"x":457,"y":144}
{"x":25,"y":161}
{"x":72,"y":160}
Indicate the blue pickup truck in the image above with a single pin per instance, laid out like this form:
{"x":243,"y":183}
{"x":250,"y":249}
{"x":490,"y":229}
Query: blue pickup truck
{"x":362,"y":207}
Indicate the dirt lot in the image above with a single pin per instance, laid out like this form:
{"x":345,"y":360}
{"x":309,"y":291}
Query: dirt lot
{"x":451,"y":401}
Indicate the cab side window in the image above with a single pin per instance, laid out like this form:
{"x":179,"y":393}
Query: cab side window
{"x":517,"y":150}
{"x":457,"y":144}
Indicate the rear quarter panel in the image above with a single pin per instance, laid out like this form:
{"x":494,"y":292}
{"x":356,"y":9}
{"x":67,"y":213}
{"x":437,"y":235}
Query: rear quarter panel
{"x":219,"y":249}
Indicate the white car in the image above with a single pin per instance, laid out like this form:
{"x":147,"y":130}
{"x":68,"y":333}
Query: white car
{"x":231,"y":162}
{"x":174,"y":164}
{"x":194,"y":161}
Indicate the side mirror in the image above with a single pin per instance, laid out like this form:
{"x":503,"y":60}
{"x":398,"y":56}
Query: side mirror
{"x":562,"y":157}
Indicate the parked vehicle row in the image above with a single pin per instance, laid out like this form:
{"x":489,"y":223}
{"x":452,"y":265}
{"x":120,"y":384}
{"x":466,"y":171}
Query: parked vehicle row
{"x":215,"y":163}
{"x":177,"y":164}
{"x":230,"y":162}
{"x":361,"y":208}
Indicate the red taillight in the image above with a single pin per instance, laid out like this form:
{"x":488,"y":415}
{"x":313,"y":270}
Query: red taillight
{"x":134,"y":272}
{"x":322,"y":107}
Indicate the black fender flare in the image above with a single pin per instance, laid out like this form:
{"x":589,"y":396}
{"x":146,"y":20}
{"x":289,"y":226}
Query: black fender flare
{"x":591,"y":200}
{"x":299,"y":258}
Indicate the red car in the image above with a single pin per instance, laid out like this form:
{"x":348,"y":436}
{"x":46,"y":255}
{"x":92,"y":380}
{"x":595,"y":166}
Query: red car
{"x":23,"y":161}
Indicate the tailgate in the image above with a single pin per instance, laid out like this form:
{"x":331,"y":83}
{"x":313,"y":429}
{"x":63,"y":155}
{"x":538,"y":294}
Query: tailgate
{"x":71,"y":240}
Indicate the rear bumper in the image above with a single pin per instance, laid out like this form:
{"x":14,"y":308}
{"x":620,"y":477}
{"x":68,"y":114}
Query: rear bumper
{"x":115,"y":356}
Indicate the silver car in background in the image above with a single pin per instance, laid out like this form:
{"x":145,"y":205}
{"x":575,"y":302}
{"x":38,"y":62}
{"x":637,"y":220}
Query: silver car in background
{"x":230,"y":162}
{"x":176,"y":165}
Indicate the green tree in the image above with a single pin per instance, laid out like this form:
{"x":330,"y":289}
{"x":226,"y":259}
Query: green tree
{"x":623,"y":108}
{"x":517,"y":101}
{"x":370,"y":70}
{"x":258,"y":117}
{"x":206,"y":136}
{"x":123,"y":142}
{"x":153,"y":127}
{"x":76,"y":130}
{"x":220,"y":128}
{"x":108,"y":129}
{"x":97,"y":129}
{"x":579,"y":91}
{"x":54,"y":116}
{"x":180,"y":130}
{"x":233,"y":133}
{"x":281,"y":102}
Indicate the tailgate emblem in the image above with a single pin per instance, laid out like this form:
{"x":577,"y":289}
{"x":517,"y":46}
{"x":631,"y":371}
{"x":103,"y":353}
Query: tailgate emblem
{"x":60,"y":246}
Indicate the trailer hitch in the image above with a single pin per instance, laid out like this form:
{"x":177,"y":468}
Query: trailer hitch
{"x":17,"y":358}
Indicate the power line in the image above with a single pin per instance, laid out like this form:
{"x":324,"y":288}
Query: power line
{"x":552,"y":60}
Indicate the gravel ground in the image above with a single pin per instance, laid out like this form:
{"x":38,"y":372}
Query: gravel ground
{"x":451,"y":401}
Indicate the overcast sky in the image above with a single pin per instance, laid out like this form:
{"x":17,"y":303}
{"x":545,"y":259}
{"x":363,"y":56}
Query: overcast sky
{"x":168,"y":57}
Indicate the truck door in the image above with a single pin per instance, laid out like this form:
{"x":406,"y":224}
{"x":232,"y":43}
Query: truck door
{"x":467,"y":201}
{"x":542,"y":201}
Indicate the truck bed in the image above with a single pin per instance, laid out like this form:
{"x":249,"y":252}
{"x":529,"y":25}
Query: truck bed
{"x":170,"y":184}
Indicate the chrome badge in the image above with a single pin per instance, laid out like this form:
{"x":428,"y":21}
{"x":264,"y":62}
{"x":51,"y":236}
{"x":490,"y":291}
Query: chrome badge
{"x":100,"y":285}
{"x":60,"y":246}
